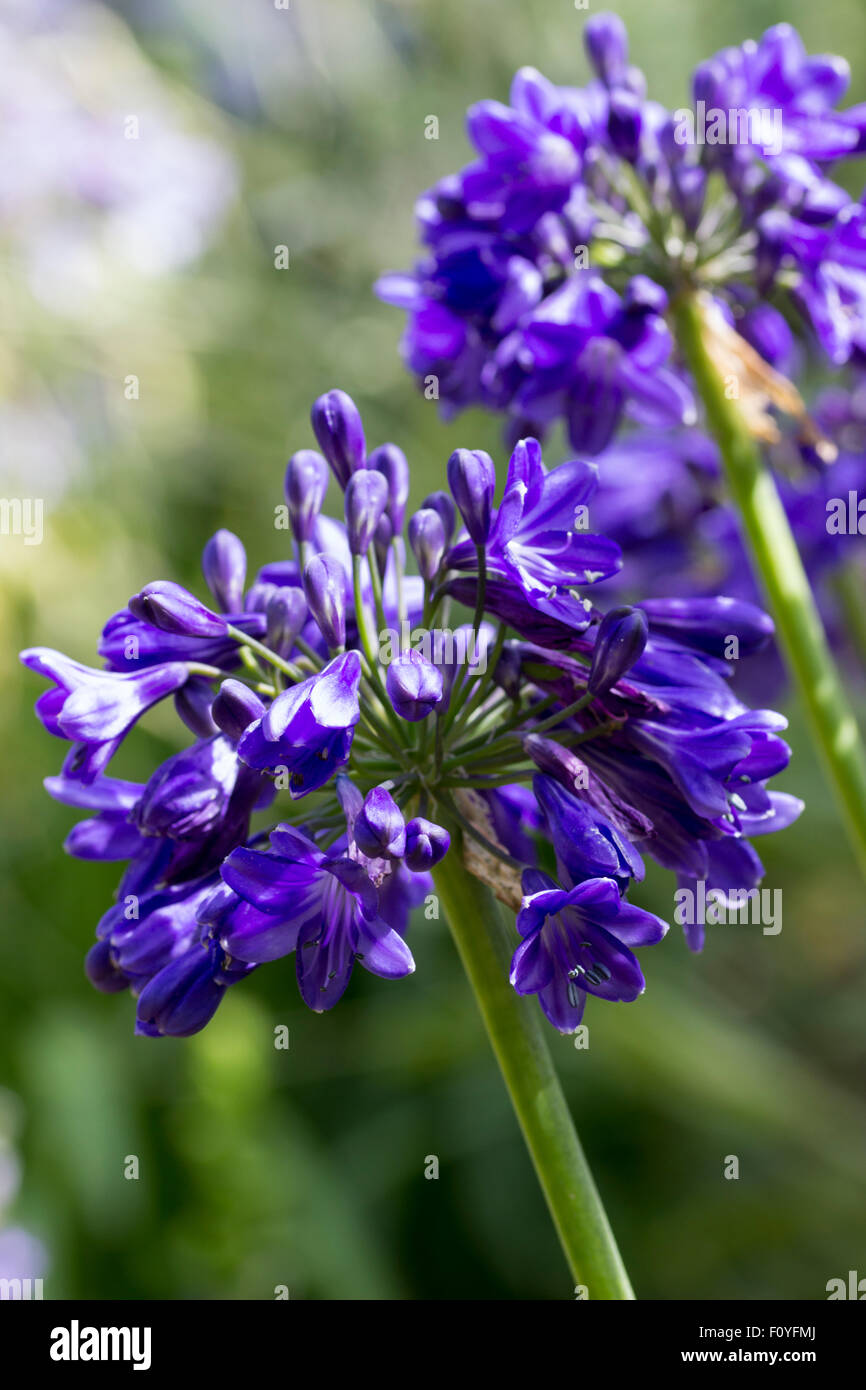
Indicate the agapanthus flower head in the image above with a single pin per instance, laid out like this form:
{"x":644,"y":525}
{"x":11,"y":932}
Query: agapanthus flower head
{"x":546,"y":735}
{"x":550,"y":260}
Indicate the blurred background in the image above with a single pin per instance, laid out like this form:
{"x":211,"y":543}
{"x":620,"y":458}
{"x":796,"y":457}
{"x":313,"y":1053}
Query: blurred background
{"x":156,"y":369}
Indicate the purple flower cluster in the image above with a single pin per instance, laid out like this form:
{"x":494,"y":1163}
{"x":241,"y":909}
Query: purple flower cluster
{"x":550,"y":261}
{"x":581,"y":742}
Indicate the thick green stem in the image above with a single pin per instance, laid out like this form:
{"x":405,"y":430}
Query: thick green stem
{"x":516,"y":1030}
{"x":783,"y":578}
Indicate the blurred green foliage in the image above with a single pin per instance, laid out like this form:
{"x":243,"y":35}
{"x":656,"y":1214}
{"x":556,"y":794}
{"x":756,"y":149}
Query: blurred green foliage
{"x":305,"y":1167}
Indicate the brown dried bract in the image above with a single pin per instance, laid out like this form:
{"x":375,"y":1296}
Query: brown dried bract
{"x":502,"y":880}
{"x":760,"y":385}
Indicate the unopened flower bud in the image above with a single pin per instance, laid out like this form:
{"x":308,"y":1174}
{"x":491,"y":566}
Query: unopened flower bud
{"x":621,"y":638}
{"x":414,"y":686}
{"x":259,"y":596}
{"x":379,"y":830}
{"x":366,"y":500}
{"x":338,"y":428}
{"x":558,"y":762}
{"x":427,"y":539}
{"x":235,"y":708}
{"x":305,"y":486}
{"x":426,"y":844}
{"x":101,"y":970}
{"x":605,"y":39}
{"x":472,"y":480}
{"x":382,"y":541}
{"x":442,"y":503}
{"x":172,"y":608}
{"x":325,"y":588}
{"x":390,"y":461}
{"x":193,"y":703}
{"x":224,"y":566}
{"x":286,"y":614}
{"x":508,"y":673}
{"x":624,"y":123}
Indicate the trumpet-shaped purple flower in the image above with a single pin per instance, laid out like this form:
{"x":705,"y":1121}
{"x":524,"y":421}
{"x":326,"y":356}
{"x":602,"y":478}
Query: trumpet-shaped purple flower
{"x":96,"y":709}
{"x":308,"y":729}
{"x":182,"y":997}
{"x":534,"y":545}
{"x":586,"y":844}
{"x":324,"y":909}
{"x":577,"y":942}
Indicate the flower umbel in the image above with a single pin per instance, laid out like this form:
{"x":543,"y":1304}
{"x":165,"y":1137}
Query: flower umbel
{"x":551,"y":261}
{"x":581,"y":742}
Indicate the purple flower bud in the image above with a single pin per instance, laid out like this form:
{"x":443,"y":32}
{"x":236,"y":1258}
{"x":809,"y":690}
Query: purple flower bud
{"x":605,"y":39}
{"x":427,"y":539}
{"x":688,"y":189}
{"x":325,"y":588}
{"x":770,"y":335}
{"x":187,"y":795}
{"x":366,"y":499}
{"x":472,"y":480}
{"x":305,"y":486}
{"x":624,"y":123}
{"x":172,"y":608}
{"x":337,"y":426}
{"x":558,"y":762}
{"x":391,"y":462}
{"x":286,"y":614}
{"x":184,"y":995}
{"x":509,"y":670}
{"x":382,"y":540}
{"x":259,"y":596}
{"x":414,"y":686}
{"x":101,"y":970}
{"x":442,"y":503}
{"x":235,"y":708}
{"x":708,"y":82}
{"x":621,"y":637}
{"x":379,"y":830}
{"x":426,"y":844}
{"x":193,"y":703}
{"x":224,"y":566}
{"x":708,"y":624}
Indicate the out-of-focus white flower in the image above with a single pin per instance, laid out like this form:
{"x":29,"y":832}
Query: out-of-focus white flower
{"x":22,"y":1255}
{"x":99,"y":175}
